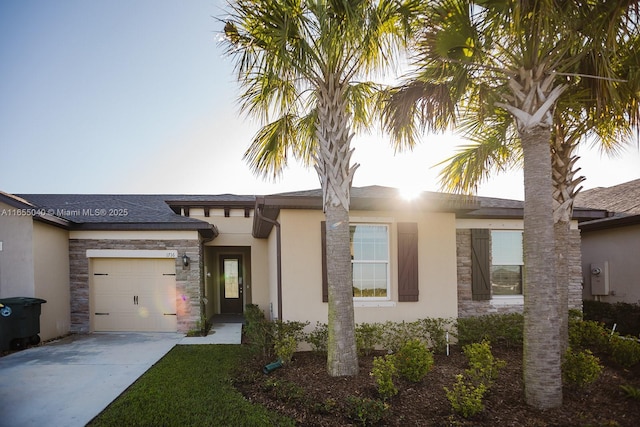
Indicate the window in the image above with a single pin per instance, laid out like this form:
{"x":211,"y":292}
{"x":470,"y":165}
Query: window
{"x":496,"y":264}
{"x":370,"y":260}
{"x":506,"y":263}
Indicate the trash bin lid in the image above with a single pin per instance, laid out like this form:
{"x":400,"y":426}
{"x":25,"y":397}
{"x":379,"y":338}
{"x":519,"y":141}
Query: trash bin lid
{"x":24,"y":301}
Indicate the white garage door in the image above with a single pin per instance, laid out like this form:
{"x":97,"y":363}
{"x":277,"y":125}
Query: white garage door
{"x":134,"y":294}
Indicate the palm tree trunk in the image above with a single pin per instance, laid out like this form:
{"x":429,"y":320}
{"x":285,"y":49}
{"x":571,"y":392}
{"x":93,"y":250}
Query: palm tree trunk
{"x":565,"y":188}
{"x":336,"y":174}
{"x":342,"y":357}
{"x":542,"y":360}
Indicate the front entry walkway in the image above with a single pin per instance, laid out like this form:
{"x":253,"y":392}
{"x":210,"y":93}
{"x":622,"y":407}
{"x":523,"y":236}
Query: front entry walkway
{"x":220,"y":333}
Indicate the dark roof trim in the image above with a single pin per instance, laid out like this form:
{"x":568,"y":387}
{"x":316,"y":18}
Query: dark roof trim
{"x":579,"y":215}
{"x":270,"y":206}
{"x":38,"y":214}
{"x":15,"y":201}
{"x":608,"y":223}
{"x":261,"y":227}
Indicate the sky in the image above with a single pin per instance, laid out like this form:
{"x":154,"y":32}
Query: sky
{"x":138,"y":97}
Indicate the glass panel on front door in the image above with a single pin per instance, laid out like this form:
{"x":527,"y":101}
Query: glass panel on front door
{"x":231,"y":283}
{"x":231,"y":279}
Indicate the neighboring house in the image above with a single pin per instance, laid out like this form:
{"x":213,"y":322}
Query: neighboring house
{"x":168,"y":262}
{"x":610,"y":246}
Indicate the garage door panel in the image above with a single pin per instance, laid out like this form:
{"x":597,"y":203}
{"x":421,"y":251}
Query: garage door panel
{"x":137,"y":294}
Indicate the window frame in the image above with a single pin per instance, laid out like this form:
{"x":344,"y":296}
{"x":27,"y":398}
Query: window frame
{"x":386,"y":262}
{"x":512,"y":297}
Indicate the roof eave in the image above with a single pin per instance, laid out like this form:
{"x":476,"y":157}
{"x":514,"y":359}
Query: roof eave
{"x":608,"y":223}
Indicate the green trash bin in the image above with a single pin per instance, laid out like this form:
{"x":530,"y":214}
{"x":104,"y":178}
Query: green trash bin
{"x":19,"y":322}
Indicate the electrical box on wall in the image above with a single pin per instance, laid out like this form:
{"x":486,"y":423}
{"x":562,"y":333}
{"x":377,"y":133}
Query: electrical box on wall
{"x":600,"y":278}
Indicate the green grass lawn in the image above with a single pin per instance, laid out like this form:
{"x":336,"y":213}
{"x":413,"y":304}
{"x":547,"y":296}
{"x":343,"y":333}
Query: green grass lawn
{"x":190,"y":386}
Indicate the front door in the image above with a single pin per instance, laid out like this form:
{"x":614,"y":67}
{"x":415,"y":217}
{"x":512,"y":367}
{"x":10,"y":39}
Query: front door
{"x":231,"y":284}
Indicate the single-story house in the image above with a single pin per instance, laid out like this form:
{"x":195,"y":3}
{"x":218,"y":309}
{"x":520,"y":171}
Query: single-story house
{"x":169,"y":262}
{"x":610,"y":246}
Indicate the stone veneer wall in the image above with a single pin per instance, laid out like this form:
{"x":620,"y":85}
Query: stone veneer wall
{"x":469,"y":308}
{"x":188,"y":279}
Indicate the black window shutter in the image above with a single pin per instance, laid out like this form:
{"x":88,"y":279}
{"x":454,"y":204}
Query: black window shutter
{"x":480,"y":264}
{"x":325,"y":281}
{"x":407,"y":261}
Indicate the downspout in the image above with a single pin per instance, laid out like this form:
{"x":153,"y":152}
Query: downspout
{"x":278,"y":258}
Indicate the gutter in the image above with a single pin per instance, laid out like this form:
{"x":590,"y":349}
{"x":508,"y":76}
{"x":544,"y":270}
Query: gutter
{"x":259,"y":202}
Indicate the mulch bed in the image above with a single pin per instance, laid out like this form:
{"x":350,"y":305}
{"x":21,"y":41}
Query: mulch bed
{"x":303,"y":391}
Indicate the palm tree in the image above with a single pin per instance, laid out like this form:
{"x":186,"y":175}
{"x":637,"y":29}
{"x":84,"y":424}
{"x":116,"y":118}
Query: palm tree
{"x":301,"y":64}
{"x":602,"y":112}
{"x":479,"y":61}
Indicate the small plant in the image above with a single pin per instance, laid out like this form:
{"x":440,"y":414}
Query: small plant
{"x":483,"y":366}
{"x":625,"y":350}
{"x":580,"y":367}
{"x":505,"y":329}
{"x":588,"y":334}
{"x":327,"y":406}
{"x":285,"y":391}
{"x":631,"y":391}
{"x":396,"y":334}
{"x":366,"y":411}
{"x":435,"y":333}
{"x":465,"y":397}
{"x":383,"y":371}
{"x":367,"y":336}
{"x":318,"y":337}
{"x":414,"y":360}
{"x":285,"y":347}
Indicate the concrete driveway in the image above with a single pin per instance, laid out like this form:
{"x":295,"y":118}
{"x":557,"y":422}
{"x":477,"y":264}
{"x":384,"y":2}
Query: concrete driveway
{"x":70,"y":381}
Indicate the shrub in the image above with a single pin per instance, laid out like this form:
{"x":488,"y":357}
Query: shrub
{"x":318,"y":337}
{"x":626,"y":316}
{"x":327,"y":406}
{"x":414,"y":360}
{"x":271,"y":338}
{"x":625,"y":350}
{"x":588,"y":334}
{"x":383,"y":371}
{"x":483,"y":366}
{"x":503,"y":329}
{"x":285,"y":391}
{"x":289,"y":328}
{"x":580,"y":368}
{"x":257,"y":330}
{"x":465,"y":397}
{"x":367,"y":336}
{"x":395,"y":334}
{"x":434,"y":332}
{"x":366,"y":411}
{"x":285,"y":347}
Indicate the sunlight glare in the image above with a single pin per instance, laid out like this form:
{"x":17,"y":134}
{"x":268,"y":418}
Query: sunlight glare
{"x":410,"y":193}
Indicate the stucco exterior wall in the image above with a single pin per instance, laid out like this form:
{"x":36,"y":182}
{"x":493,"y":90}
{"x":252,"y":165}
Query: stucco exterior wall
{"x":16,"y":257}
{"x":302,"y":267}
{"x":620,"y":248}
{"x":188,"y":279}
{"x":51,"y":278}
